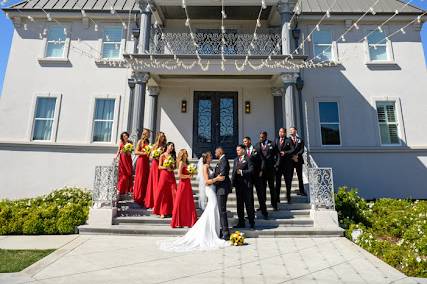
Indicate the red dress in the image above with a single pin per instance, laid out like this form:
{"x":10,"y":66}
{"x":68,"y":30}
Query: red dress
{"x":124,"y":184}
{"x":141,"y":178}
{"x":163,"y":205}
{"x":184,"y":212}
{"x":153,"y":180}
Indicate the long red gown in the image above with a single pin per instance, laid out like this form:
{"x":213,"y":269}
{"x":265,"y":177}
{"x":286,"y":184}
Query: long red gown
{"x":153,"y":180}
{"x":184,"y":212}
{"x":141,"y":178}
{"x":163,"y":205}
{"x":124,"y":183}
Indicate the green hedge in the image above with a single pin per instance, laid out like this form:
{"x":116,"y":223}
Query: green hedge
{"x":59,"y":212}
{"x":392,"y":229}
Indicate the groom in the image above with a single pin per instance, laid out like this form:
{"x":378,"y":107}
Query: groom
{"x":223,"y":188}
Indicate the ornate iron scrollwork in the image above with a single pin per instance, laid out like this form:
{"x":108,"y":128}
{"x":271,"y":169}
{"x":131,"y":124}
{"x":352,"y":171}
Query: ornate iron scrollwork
{"x":105,"y":186}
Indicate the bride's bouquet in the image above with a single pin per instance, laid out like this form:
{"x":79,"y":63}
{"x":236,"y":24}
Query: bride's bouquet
{"x":156,"y":153}
{"x":237,"y":238}
{"x":169,"y":162}
{"x":128,"y":148}
{"x":192,"y":169}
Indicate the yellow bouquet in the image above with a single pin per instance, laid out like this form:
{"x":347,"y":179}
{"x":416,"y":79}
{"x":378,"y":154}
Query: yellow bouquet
{"x":192,"y":169}
{"x":237,"y":238}
{"x":156,"y":153}
{"x":128,"y":148}
{"x":148,"y":148}
{"x":169,"y":162}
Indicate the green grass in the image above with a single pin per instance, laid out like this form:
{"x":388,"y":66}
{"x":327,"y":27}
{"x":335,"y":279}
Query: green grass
{"x":17,"y":260}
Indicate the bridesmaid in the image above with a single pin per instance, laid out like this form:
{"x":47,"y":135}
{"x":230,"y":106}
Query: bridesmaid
{"x":154,"y":172}
{"x":184,"y":212}
{"x":163,"y":205}
{"x":124,"y":183}
{"x":142,"y":168}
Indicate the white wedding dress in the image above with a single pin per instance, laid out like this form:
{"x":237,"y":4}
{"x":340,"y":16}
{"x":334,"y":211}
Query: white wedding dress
{"x":204,"y":234}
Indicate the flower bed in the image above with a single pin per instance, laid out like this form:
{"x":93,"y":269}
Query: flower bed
{"x":59,"y":212}
{"x":392,"y":229}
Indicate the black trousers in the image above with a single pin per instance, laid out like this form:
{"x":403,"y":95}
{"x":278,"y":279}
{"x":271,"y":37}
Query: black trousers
{"x":245,"y":198}
{"x":298,"y":168}
{"x":268,"y":178}
{"x":286,"y":171}
{"x":260,"y":192}
{"x":222,"y":206}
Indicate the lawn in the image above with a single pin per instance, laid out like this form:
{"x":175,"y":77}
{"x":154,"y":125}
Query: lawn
{"x":17,"y":260}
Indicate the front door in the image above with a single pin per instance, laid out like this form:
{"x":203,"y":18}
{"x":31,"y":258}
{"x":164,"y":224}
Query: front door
{"x":215,"y":122}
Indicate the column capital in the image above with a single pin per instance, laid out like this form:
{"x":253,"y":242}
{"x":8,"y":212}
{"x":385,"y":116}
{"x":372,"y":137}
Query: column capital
{"x":145,"y":6}
{"x":141,"y":77}
{"x":153,"y":91}
{"x":278,"y":91}
{"x":289,"y":77}
{"x":284,"y":6}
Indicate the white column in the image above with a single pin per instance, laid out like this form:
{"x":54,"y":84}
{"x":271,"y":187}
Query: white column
{"x":289,"y":80}
{"x":284,"y":9}
{"x":145,"y":26}
{"x":141,"y":80}
{"x":279,"y":121}
{"x":151,"y":121}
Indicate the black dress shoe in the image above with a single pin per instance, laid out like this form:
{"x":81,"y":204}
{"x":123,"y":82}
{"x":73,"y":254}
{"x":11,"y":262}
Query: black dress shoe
{"x":265,"y":216}
{"x":275,"y":208}
{"x":289,"y":201}
{"x":239,"y":226}
{"x":302,"y":193}
{"x":252,"y":226}
{"x":226,"y":237}
{"x":258,"y":209}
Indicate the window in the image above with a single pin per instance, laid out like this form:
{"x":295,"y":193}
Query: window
{"x":387,"y":121}
{"x":103,"y":120}
{"x":322,"y":45}
{"x":111,"y":43}
{"x":44,"y":118}
{"x":55,"y":47}
{"x":377,"y":45}
{"x":329,"y":123}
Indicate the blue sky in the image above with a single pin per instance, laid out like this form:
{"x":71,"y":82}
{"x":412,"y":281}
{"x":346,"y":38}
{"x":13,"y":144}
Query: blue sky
{"x":6,"y":32}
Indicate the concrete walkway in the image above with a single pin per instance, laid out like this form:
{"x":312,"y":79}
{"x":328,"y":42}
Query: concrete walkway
{"x":136,"y":259}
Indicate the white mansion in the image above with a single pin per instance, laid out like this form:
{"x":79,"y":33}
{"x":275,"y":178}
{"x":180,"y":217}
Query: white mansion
{"x":82,"y":71}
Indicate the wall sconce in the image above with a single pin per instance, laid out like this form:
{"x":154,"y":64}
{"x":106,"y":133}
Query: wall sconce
{"x":247,"y":107}
{"x":184,"y":106}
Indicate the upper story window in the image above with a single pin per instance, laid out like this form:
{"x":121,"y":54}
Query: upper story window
{"x":387,"y":121}
{"x":56,"y":42}
{"x":44,"y":118}
{"x":323,"y":45}
{"x":103,"y":120}
{"x":329,"y":123}
{"x":379,"y":47}
{"x":111,"y":43}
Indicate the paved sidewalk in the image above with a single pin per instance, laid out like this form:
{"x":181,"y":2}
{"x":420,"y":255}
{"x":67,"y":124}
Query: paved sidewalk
{"x":35,"y":242}
{"x":136,"y":259}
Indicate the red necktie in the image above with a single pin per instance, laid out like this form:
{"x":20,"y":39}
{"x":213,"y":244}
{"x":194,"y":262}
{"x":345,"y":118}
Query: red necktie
{"x":249,"y":152}
{"x":294,"y":139}
{"x":281,"y":141}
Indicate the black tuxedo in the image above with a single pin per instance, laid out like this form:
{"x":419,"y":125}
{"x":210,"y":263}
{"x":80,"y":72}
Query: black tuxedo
{"x":256,"y":159}
{"x":223,"y":188}
{"x":299,"y":150}
{"x":244,"y":188}
{"x":284,"y":165}
{"x":267,"y":152}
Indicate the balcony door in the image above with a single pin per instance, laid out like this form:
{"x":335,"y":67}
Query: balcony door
{"x":215,"y":122}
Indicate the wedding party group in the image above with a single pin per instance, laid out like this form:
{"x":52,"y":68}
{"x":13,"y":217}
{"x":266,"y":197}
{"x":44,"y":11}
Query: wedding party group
{"x":154,"y":186}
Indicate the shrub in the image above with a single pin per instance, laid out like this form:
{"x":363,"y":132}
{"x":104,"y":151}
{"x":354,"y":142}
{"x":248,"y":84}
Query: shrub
{"x":351,"y":208}
{"x":58,"y":212}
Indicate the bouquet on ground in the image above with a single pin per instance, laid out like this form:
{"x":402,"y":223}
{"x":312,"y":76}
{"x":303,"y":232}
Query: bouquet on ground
{"x":192,"y":169}
{"x":169,"y":163}
{"x":148,"y":148}
{"x":156,"y":153}
{"x":128,"y":148}
{"x":237,"y":238}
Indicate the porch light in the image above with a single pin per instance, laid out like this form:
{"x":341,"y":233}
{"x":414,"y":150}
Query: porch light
{"x":296,"y":33}
{"x":131,"y":83}
{"x":247,"y":107}
{"x":183,"y":106}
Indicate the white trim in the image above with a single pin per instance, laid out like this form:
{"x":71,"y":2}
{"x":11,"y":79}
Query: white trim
{"x":122,"y":41}
{"x":115,"y":119}
{"x":388,"y":45}
{"x":31,"y":121}
{"x":338,"y":101}
{"x":333,"y":44}
{"x":67,"y":41}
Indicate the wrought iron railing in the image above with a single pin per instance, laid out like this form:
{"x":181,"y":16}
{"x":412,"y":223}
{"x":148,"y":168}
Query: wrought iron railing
{"x":210,"y":42}
{"x":321,"y":184}
{"x":105,"y":186}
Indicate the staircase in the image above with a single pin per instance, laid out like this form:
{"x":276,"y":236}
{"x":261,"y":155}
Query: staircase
{"x":291,"y":220}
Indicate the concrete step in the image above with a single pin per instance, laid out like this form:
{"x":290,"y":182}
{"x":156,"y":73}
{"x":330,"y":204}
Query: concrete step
{"x":259,"y":232}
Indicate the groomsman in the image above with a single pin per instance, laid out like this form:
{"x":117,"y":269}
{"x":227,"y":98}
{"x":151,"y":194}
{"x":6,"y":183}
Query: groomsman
{"x":267,"y":153}
{"x":284,"y":164}
{"x":298,"y":160}
{"x":255,"y":158}
{"x":242,"y":181}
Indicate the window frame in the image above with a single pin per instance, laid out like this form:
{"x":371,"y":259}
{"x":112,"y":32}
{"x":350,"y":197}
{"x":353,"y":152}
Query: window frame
{"x":65,"y":54}
{"x":122,"y":42}
{"x":399,"y":120}
{"x":333,"y":45}
{"x":319,"y":123}
{"x":55,"y":120}
{"x":388,"y":45}
{"x":114,"y":127}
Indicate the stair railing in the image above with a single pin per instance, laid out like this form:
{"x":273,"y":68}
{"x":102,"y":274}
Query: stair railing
{"x":104,"y":193}
{"x":321,"y":184}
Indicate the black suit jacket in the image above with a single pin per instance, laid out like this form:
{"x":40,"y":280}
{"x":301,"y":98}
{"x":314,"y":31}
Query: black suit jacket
{"x":256,"y":160}
{"x":247,"y":168}
{"x":223,"y":169}
{"x":298,"y":149}
{"x":267,"y":161}
{"x":286,"y":147}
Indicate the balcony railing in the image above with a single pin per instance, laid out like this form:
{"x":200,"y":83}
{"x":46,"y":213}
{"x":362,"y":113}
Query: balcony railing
{"x":209,"y":42}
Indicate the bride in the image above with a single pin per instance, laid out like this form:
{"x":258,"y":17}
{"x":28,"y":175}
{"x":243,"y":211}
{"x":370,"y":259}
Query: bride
{"x":204,"y":234}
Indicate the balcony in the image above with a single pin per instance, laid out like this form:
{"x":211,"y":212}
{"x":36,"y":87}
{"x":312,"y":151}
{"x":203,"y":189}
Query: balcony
{"x":209,"y":42}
